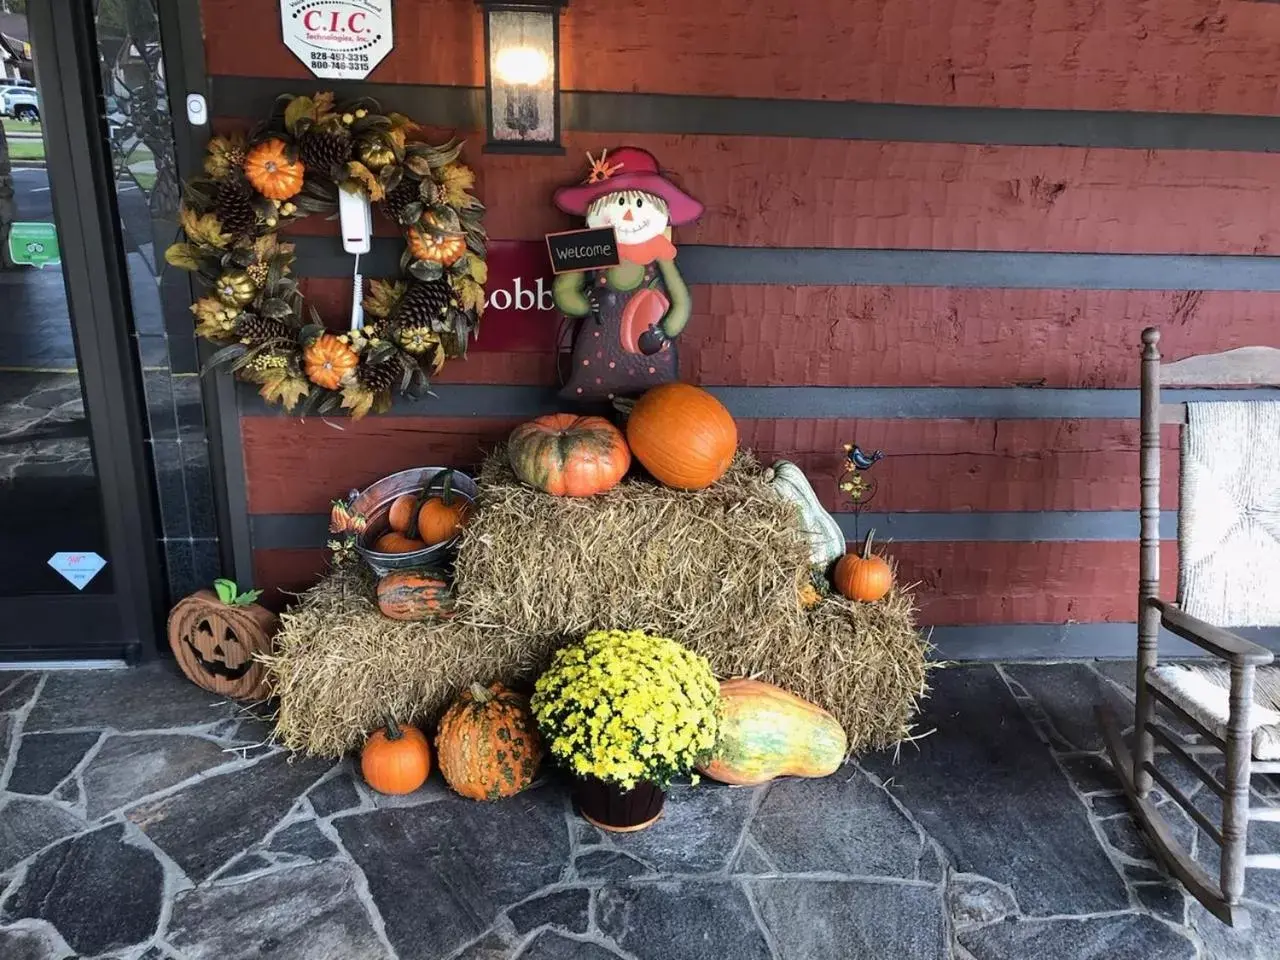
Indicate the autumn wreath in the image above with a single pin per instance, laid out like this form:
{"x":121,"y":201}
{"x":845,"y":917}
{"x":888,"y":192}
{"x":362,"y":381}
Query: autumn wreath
{"x":293,"y":166}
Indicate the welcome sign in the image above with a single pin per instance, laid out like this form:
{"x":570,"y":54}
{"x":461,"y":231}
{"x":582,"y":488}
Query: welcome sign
{"x":573,"y":251}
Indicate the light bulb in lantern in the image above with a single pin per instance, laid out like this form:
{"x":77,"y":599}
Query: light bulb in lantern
{"x":522,"y":66}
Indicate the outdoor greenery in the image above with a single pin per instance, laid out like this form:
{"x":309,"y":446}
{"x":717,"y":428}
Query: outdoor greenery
{"x":20,"y":126}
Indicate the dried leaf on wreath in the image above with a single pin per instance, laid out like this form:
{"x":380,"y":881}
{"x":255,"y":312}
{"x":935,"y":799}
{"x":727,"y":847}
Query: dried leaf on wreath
{"x":279,"y":386}
{"x":424,"y":271}
{"x":381,"y":297}
{"x":470,"y":294}
{"x":183,"y":256}
{"x":246,"y":358}
{"x":457,"y":179}
{"x":478,"y":269}
{"x":443,"y":219}
{"x":298,"y":108}
{"x":241,"y":256}
{"x":225,"y":355}
{"x":366,"y":178}
{"x":311,"y":330}
{"x":417,"y":163}
{"x":390,"y":177}
{"x":219,"y":152}
{"x":203,"y":229}
{"x":275,"y":309}
{"x":323,"y":103}
{"x":444,"y":154}
{"x":358,"y":400}
{"x":380,"y":352}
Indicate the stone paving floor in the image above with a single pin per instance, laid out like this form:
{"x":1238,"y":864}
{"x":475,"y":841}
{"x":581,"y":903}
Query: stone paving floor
{"x":143,"y":818}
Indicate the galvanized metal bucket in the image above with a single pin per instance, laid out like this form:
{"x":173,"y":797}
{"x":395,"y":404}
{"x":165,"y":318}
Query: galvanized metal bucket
{"x":374,"y":503}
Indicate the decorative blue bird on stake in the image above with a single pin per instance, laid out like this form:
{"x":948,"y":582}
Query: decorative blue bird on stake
{"x":860,"y":459}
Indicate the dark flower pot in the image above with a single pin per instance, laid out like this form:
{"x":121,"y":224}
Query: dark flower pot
{"x":610,"y":807}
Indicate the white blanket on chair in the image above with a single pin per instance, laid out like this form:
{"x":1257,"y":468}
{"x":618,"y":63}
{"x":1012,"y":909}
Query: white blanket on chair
{"x":1229,"y":513}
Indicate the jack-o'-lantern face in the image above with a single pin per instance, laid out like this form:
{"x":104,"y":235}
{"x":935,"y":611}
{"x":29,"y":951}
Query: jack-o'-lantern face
{"x":218,"y":650}
{"x":214,"y":644}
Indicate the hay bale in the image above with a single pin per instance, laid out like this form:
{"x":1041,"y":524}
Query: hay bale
{"x":717,"y":570}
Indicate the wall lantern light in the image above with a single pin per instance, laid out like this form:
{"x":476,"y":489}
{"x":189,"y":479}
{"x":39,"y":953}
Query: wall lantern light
{"x":522,"y":75}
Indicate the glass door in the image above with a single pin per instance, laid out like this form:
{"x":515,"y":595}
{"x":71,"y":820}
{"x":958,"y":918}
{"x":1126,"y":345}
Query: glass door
{"x":77,"y":540}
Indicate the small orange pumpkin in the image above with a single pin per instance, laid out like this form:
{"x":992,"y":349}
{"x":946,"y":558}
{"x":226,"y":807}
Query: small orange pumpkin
{"x":396,"y":759}
{"x":488,"y":744}
{"x":401,"y":515}
{"x":865,"y":577}
{"x":444,"y":249}
{"x":442,"y":518}
{"x":569,"y":456}
{"x":271,"y":171}
{"x":394,"y":542}
{"x":327,"y":361}
{"x":683,"y":435}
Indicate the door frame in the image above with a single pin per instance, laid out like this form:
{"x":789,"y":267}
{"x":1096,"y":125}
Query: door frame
{"x":94,"y":270}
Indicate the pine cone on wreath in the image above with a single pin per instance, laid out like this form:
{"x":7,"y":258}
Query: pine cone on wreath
{"x":380,"y":377}
{"x":233,"y":206}
{"x":425,"y":304}
{"x":325,"y":152}
{"x":397,"y":202}
{"x":251,"y":328}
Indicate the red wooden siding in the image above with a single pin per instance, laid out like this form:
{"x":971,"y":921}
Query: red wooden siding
{"x":779,"y":192}
{"x":835,"y":336}
{"x":298,"y":466}
{"x":1110,"y":55}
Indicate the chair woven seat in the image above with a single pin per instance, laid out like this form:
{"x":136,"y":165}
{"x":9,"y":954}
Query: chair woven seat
{"x":1202,"y":691}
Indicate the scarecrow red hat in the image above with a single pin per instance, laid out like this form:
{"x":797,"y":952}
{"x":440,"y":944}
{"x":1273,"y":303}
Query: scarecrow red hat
{"x":628,"y":168}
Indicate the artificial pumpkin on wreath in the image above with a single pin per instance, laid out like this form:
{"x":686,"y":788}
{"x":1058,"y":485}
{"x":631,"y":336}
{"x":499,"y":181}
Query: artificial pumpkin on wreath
{"x":215,"y":633}
{"x":396,"y":759}
{"x":488,"y":745}
{"x":328,"y":361}
{"x":272,"y":172}
{"x":569,"y":456}
{"x":683,"y":435}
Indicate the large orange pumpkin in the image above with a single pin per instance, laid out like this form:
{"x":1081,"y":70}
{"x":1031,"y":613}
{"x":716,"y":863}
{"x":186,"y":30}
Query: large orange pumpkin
{"x":271,"y":171}
{"x":396,"y":759}
{"x":569,"y":456}
{"x":444,"y":249}
{"x":488,"y":744}
{"x":864,"y":577}
{"x":327,"y":360}
{"x":683,"y":435}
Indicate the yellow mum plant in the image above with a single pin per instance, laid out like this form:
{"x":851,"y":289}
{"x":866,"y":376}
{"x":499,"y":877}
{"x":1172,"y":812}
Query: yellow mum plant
{"x":625,"y":706}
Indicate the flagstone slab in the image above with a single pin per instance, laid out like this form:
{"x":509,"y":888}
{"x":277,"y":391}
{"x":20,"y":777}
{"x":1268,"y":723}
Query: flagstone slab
{"x":1124,"y":937}
{"x":551,"y":946}
{"x":984,"y":787}
{"x":1260,"y":942}
{"x":303,"y":839}
{"x":441,"y":872}
{"x":1067,"y":693}
{"x":335,"y":795}
{"x":32,"y":941}
{"x":26,"y":825}
{"x":204,"y":825}
{"x":601,"y":864}
{"x":698,"y":832}
{"x":99,"y":892}
{"x":564,"y":909}
{"x":681,"y":920}
{"x":839,"y":824}
{"x":17,"y":689}
{"x":155,"y":696}
{"x":849,"y":918}
{"x":304,"y":913}
{"x":45,"y":759}
{"x":973,"y":900}
{"x":128,"y":768}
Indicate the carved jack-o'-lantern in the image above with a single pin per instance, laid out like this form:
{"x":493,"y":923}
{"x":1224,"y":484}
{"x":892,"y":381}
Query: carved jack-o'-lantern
{"x":214,"y":637}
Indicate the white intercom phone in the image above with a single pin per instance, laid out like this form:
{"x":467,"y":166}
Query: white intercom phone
{"x":356,"y":222}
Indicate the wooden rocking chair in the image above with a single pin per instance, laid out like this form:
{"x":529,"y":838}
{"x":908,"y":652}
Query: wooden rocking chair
{"x":1233,"y":724}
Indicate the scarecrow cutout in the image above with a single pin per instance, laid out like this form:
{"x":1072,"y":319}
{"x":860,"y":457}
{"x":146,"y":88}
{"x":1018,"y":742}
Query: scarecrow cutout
{"x":630,"y":315}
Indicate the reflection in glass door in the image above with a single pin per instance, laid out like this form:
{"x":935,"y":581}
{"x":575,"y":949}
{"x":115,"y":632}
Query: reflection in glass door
{"x":49,"y":493}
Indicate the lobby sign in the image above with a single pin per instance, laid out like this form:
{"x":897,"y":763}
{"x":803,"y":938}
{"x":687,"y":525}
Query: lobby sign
{"x":519,"y":312}
{"x":337,"y":39}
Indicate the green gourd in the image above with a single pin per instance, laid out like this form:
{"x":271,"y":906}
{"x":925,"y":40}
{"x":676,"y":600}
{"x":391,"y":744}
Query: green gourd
{"x":826,"y":539}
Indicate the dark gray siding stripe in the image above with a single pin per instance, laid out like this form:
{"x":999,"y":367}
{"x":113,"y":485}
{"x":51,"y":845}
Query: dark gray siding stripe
{"x":323,"y":257}
{"x":1049,"y":641}
{"x":283,"y":531}
{"x":887,"y":403}
{"x":463,"y":107}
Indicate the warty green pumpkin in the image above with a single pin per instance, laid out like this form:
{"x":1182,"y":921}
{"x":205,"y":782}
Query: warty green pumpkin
{"x":488,"y":745}
{"x":766,"y":732}
{"x":414,"y":595}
